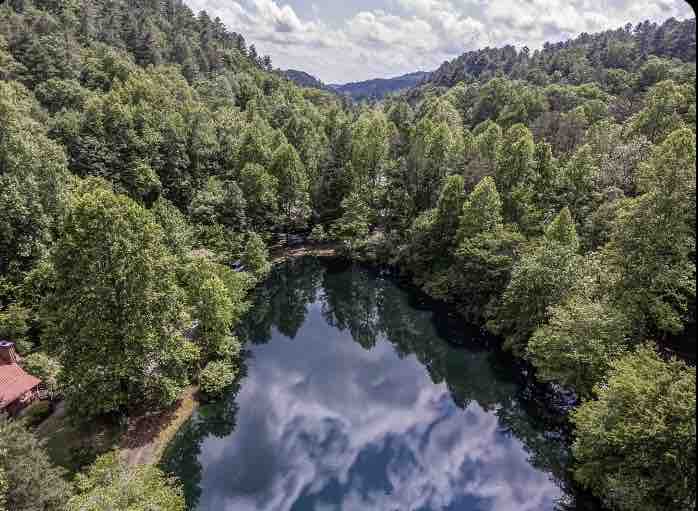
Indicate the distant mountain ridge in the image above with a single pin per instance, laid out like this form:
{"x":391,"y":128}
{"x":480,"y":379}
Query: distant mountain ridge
{"x":377,"y":88}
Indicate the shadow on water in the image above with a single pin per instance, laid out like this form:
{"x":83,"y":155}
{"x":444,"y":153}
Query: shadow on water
{"x":361,"y":394}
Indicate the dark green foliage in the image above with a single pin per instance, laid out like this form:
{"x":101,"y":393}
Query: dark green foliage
{"x":14,"y":326}
{"x":317,"y":234}
{"x":353,"y":225}
{"x":484,"y":250}
{"x":37,"y":412}
{"x":255,"y":258}
{"x":178,"y":232}
{"x":32,"y":178}
{"x":293,"y":197}
{"x":576,"y":61}
{"x":219,"y":203}
{"x":449,"y":206}
{"x":260,"y":190}
{"x":216,"y":296}
{"x":584,"y":332}
{"x":666,"y":107}
{"x":481,"y":271}
{"x":482,"y":211}
{"x":562,"y":230}
{"x":32,"y":482}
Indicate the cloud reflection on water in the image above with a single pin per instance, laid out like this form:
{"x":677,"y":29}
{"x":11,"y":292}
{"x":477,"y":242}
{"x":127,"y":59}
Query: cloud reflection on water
{"x":324,"y":424}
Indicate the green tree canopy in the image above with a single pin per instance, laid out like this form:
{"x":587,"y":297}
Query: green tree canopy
{"x":255,"y":258}
{"x":353,"y":225}
{"x":636,"y":444}
{"x":450,"y":207}
{"x":260,"y":190}
{"x":289,"y":172}
{"x":482,"y":210}
{"x":653,"y":241}
{"x":562,"y":230}
{"x":216,"y":297}
{"x":579,"y":342}
{"x":115,"y":314}
{"x":663,"y":111}
{"x":33,"y":179}
{"x":540,"y":279}
{"x":110,"y":484}
{"x":32,"y":482}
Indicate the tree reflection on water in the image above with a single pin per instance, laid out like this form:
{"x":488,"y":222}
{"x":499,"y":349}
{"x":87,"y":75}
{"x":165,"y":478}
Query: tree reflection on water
{"x":408,"y":420}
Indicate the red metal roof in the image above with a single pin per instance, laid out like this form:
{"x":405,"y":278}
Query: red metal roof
{"x":14,"y":383}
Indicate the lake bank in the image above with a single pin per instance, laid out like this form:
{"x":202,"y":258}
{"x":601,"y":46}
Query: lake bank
{"x":280,"y":254}
{"x":148,"y":436}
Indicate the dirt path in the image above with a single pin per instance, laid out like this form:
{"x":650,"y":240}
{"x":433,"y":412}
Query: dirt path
{"x":148,"y":436}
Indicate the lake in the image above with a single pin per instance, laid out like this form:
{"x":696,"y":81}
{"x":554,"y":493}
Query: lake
{"x":359,"y":395}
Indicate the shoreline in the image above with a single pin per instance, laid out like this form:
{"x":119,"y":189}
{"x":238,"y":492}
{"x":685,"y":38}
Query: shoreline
{"x":148,"y":436}
{"x":281,"y":254}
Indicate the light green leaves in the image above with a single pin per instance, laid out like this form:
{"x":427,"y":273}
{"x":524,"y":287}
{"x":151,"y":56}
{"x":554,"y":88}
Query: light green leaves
{"x":636,"y":444}
{"x":109,"y":485}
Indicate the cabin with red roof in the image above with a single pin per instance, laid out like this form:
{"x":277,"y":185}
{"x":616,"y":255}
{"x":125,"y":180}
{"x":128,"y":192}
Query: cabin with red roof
{"x":17,"y":388}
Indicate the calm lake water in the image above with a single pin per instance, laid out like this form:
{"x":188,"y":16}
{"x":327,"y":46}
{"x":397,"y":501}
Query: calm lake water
{"x":355,"y":397}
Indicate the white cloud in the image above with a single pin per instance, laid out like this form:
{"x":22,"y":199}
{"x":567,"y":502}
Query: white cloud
{"x":400,"y":36}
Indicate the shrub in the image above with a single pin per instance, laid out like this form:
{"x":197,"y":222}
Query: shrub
{"x":216,"y":378}
{"x":37,"y":413}
{"x":45,"y":368}
{"x":318,"y":235}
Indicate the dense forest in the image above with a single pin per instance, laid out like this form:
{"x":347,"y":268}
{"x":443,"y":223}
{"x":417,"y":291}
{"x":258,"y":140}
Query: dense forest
{"x":548,"y":196}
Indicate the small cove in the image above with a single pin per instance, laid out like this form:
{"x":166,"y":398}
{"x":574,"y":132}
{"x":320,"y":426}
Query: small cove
{"x":353,"y":398}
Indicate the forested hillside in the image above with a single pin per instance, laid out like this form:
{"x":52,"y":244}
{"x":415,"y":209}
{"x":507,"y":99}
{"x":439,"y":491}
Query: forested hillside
{"x":304,"y":79}
{"x":548,"y":196}
{"x":607,"y":58}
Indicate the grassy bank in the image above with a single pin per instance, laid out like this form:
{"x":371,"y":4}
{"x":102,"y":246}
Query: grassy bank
{"x":141,"y":441}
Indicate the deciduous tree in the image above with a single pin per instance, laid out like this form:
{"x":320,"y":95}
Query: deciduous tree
{"x":115,"y":314}
{"x":32,"y":482}
{"x":636,"y":443}
{"x":110,"y":484}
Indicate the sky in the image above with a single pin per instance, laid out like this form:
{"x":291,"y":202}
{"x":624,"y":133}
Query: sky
{"x":342,"y":41}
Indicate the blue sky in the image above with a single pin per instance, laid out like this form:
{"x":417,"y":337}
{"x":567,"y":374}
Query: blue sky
{"x":350,"y":40}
